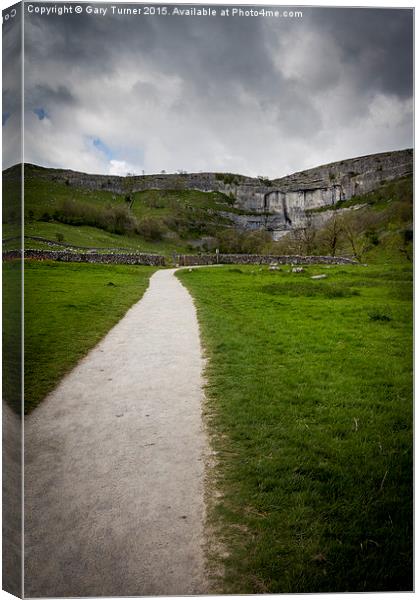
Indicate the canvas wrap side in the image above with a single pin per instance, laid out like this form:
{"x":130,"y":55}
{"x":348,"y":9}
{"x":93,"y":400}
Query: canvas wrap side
{"x":12,"y":288}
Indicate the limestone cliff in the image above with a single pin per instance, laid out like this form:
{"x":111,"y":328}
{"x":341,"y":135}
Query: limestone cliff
{"x":278,"y":205}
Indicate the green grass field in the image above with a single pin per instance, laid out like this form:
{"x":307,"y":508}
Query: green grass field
{"x":310,"y":412}
{"x":68,"y":309}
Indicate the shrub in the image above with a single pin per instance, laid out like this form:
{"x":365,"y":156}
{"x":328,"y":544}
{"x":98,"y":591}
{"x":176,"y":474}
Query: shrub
{"x":45,"y":217}
{"x":255,"y":242}
{"x":151,"y":228}
{"x":234,"y":241}
{"x":115,"y":219}
{"x":265,"y":181}
{"x":377,"y":315}
{"x":227,"y":178}
{"x":231,"y":198}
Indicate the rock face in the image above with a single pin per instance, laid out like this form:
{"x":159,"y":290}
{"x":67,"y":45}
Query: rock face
{"x":278,"y":205}
{"x":328,"y":184}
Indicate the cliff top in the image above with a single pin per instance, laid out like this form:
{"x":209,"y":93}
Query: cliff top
{"x":322,"y":174}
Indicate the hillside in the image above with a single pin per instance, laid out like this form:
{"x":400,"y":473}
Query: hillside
{"x":169,"y":213}
{"x":163,"y":221}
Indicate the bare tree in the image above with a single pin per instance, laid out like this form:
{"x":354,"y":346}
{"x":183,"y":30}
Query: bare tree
{"x":332,"y":234}
{"x":305,"y":240}
{"x":360,"y":229}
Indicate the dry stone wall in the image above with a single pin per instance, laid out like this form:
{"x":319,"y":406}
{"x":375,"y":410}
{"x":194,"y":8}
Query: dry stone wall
{"x":256,"y":259}
{"x":88,"y":257}
{"x":180,"y":259}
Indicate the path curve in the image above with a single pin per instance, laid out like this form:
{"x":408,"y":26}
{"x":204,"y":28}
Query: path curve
{"x":114,"y":461}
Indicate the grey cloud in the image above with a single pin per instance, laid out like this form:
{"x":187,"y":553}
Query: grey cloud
{"x":378,"y":41}
{"x":229,"y":51}
{"x":46,"y":95}
{"x":229,"y":81}
{"x":146,"y":93}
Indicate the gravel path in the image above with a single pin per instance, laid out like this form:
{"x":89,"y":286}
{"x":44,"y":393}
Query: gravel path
{"x":115,"y":461}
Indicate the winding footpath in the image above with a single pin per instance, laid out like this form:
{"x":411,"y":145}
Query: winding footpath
{"x":114,"y":461}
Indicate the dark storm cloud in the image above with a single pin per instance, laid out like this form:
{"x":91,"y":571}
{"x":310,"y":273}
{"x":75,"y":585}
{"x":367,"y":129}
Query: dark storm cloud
{"x":216,"y":50}
{"x":202,"y":51}
{"x":97,"y":44}
{"x":41,"y":95}
{"x":378,"y":41}
{"x":253,"y":90}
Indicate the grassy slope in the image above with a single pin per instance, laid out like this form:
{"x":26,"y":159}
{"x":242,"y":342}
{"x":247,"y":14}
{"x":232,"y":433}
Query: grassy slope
{"x":309,"y":393}
{"x":86,"y":236}
{"x":185,"y":214}
{"x":68,"y":309}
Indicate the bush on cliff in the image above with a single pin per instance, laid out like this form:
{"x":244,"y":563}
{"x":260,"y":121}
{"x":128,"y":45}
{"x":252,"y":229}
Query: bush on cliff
{"x":234,"y":241}
{"x":151,"y":228}
{"x":115,"y":219}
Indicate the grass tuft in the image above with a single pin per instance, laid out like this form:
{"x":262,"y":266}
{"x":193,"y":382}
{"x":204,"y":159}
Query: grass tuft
{"x":310,"y":290}
{"x":377,"y":315}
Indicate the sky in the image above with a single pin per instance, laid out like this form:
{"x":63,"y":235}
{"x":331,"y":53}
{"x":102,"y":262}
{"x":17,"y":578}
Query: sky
{"x":251,"y":95}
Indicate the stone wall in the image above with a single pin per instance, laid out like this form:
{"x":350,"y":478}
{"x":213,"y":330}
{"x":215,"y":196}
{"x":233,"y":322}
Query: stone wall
{"x":180,"y":259}
{"x":89,"y":257}
{"x":256,"y":259}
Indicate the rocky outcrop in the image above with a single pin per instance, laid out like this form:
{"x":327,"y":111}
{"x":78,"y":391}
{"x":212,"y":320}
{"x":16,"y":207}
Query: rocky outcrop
{"x":277,"y":205}
{"x":328,"y":184}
